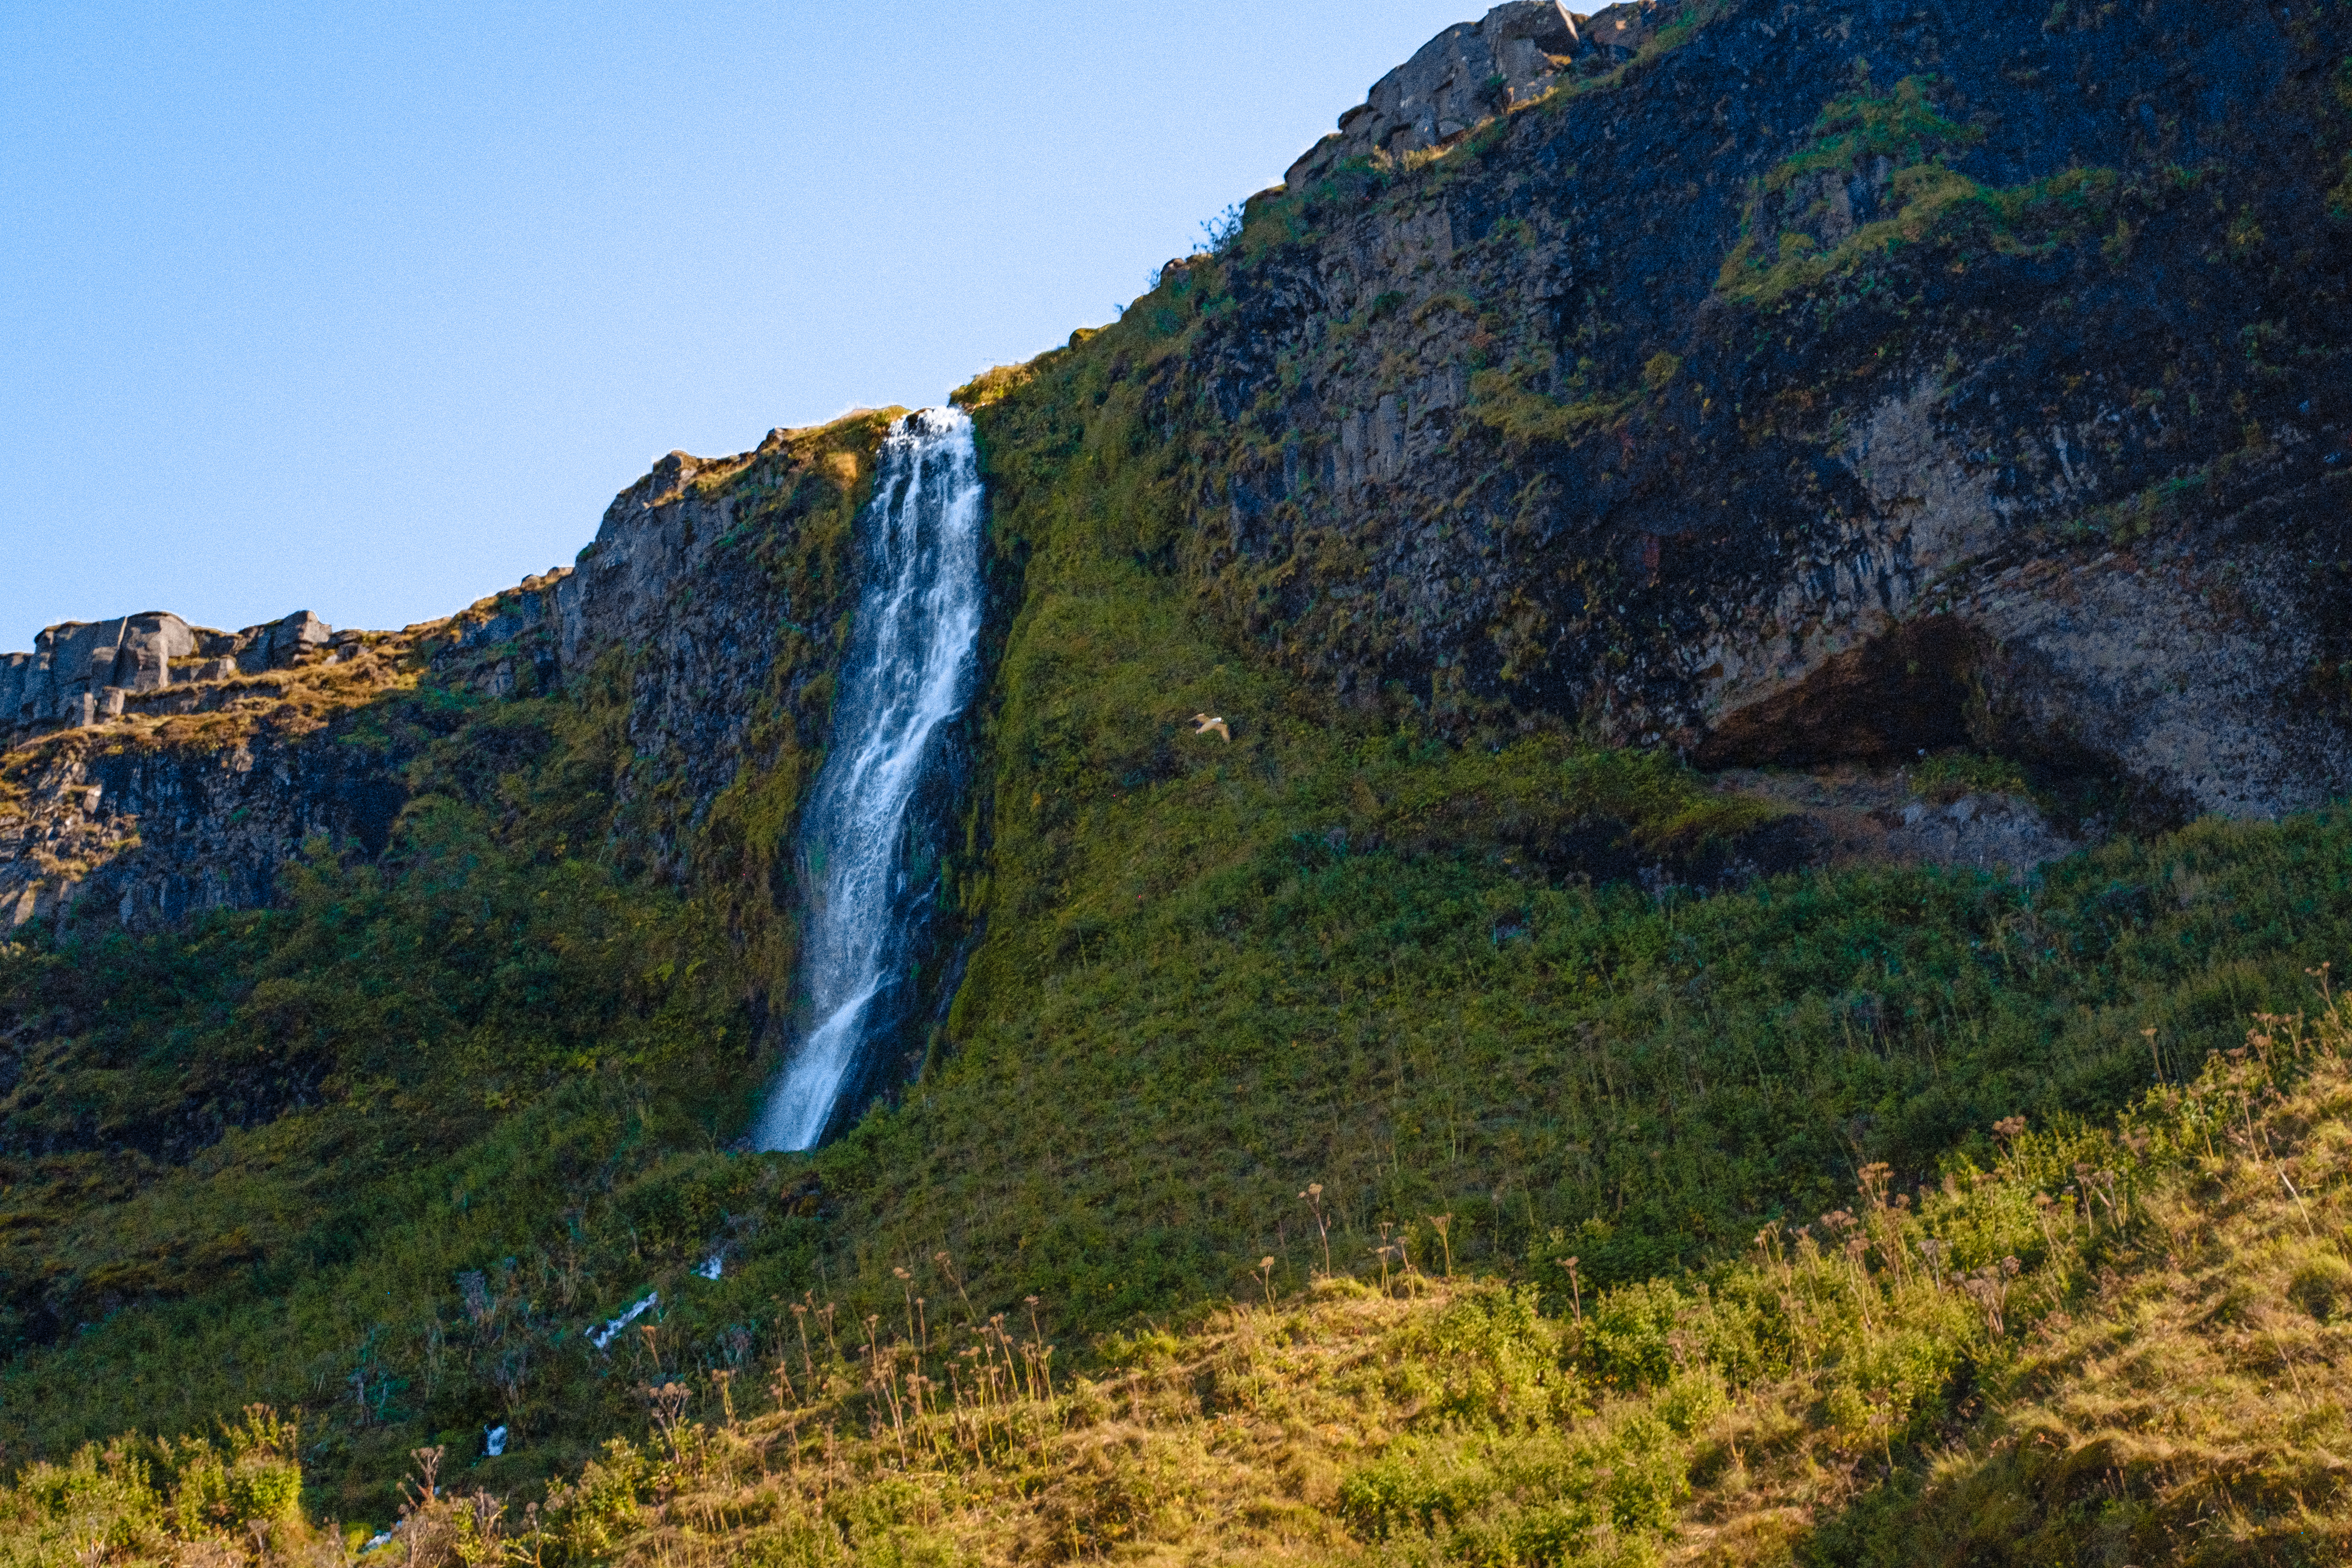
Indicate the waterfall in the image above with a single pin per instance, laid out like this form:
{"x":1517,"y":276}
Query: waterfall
{"x":910,"y":668}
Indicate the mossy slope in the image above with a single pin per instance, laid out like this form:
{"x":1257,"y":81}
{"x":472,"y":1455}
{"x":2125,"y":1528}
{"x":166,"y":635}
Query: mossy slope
{"x":263,"y":1159}
{"x":2119,"y":1341}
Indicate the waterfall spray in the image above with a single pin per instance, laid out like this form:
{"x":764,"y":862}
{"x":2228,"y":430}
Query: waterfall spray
{"x":910,"y":668}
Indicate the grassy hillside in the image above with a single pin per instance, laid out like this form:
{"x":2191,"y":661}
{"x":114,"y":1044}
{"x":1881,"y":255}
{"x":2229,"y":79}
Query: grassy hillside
{"x":1437,"y":976}
{"x":252,"y":1162}
{"x":2113,"y":1342}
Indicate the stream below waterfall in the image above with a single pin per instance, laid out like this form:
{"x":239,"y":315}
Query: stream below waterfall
{"x":910,"y":669}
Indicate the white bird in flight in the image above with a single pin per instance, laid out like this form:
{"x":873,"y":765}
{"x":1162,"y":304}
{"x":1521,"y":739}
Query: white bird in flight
{"x":1204,"y":725}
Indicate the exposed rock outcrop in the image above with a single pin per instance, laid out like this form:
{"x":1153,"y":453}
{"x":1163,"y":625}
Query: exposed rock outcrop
{"x":188,"y":782}
{"x":683,"y":586}
{"x":153,"y":771}
{"x":111,"y":810}
{"x":1471,"y":73}
{"x":84,"y":673}
{"x":1853,"y":815}
{"x":1821,"y":387}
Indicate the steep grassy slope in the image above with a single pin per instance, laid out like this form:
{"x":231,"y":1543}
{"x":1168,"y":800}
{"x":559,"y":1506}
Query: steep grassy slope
{"x":1340,"y":950}
{"x":2110,"y":1343}
{"x":2120,"y":1341}
{"x":382,"y":1154}
{"x":1386,"y":939}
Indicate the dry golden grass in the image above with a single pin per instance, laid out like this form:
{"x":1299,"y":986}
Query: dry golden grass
{"x":286,"y":703}
{"x":2120,"y":1345}
{"x":2160,"y":1379}
{"x":2194,"y":1407}
{"x":1226,"y":1444}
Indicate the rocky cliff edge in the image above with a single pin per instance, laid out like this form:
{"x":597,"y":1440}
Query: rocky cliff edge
{"x":151,"y":771}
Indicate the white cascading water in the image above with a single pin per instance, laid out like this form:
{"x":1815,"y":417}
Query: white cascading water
{"x":913,"y":653}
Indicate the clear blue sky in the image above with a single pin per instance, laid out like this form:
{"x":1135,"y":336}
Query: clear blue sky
{"x":370,"y":309}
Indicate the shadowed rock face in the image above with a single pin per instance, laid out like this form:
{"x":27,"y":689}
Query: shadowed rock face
{"x":1838,"y":381}
{"x":1901,"y":694}
{"x":148,"y":838}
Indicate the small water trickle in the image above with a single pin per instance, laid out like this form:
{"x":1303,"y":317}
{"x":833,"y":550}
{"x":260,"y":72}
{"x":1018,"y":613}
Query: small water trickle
{"x":910,"y":669}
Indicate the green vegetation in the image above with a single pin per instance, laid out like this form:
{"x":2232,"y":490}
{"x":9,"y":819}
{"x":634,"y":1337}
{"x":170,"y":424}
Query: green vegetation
{"x":254,"y":1162}
{"x":2160,"y":506}
{"x":1512,"y":401}
{"x":1508,"y":401}
{"x":226,"y":1500}
{"x":1948,"y":775}
{"x":1901,"y":126}
{"x":382,"y":1154}
{"x":1898,"y":144}
{"x":2119,"y":1341}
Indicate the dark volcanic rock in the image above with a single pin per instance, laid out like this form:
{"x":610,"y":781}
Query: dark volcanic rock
{"x":1833,"y":380}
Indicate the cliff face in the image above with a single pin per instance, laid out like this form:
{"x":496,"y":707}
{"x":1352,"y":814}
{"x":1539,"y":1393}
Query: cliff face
{"x":1832,"y":382}
{"x":155,"y":771}
{"x":80,"y":674}
{"x":1792,"y":383}
{"x":723,"y":587}
{"x":171,"y":789}
{"x":1468,"y":74}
